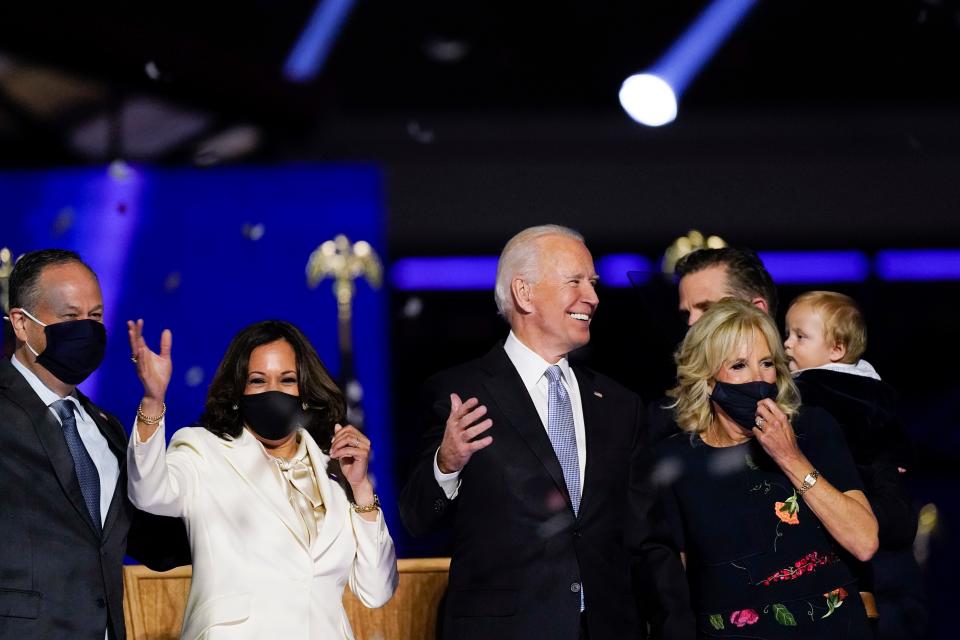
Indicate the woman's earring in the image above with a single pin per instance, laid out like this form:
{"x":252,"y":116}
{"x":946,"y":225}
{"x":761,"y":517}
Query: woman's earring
{"x":304,"y":405}
{"x":234,"y":407}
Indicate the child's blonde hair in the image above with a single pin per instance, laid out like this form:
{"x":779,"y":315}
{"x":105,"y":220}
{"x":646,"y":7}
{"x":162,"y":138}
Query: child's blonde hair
{"x":842,"y":321}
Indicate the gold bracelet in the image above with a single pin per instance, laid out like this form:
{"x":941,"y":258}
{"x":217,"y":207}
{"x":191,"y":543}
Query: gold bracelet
{"x":148,"y":421}
{"x":367,"y":508}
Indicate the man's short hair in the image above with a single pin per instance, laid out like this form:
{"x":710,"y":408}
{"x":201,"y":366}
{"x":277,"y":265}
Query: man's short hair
{"x":521,"y":257}
{"x":24,"y":283}
{"x":843,"y":321}
{"x":747,"y":278}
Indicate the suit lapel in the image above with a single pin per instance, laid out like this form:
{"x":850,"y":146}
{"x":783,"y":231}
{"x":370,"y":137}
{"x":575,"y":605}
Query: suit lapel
{"x":246,"y":456}
{"x":50,"y":434}
{"x":508,"y":391}
{"x":335,"y":517}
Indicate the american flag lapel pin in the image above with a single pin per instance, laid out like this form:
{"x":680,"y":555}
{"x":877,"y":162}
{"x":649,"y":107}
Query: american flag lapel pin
{"x":598,"y":394}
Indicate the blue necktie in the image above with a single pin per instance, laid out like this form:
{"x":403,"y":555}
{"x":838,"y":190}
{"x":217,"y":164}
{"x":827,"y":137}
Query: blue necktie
{"x":82,"y":462}
{"x":562,"y":434}
{"x":563,"y":437}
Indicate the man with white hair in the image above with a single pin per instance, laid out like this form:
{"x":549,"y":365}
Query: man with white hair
{"x":528,"y":459}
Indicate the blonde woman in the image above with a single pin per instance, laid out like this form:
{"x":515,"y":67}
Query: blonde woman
{"x":763,"y":496}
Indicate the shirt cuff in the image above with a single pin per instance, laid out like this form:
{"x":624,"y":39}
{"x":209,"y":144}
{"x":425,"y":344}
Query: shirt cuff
{"x":449,"y":482}
{"x":135,"y":434}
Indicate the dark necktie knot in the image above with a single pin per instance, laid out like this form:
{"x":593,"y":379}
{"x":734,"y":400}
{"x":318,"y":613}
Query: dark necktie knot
{"x":64,"y":409}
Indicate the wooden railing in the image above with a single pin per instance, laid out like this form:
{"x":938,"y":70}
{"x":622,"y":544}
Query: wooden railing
{"x":153,"y":603}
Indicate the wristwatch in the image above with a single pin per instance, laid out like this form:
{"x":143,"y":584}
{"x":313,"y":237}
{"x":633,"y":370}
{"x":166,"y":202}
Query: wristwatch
{"x":809,"y":481}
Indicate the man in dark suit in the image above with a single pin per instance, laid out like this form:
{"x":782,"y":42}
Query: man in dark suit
{"x":533,"y":469}
{"x":703,"y":277}
{"x":65,"y":518}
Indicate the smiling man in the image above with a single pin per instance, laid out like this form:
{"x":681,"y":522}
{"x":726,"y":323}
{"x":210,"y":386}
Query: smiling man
{"x":528,"y":458}
{"x":65,"y":520}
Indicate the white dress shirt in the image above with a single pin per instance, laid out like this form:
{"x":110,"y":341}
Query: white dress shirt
{"x":108,"y":467}
{"x":531,"y":368}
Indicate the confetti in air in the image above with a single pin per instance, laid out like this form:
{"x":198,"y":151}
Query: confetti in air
{"x":253,"y":231}
{"x":418,"y":133}
{"x":172,"y":281}
{"x":63,"y":221}
{"x":194,"y":376}
{"x":152,"y":71}
{"x":413,"y":308}
{"x":119,"y":170}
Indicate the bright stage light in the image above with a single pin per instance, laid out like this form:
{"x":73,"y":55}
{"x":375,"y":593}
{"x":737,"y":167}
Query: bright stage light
{"x":651,"y":98}
{"x":648,"y":99}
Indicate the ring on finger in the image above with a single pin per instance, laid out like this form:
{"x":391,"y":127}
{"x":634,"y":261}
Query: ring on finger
{"x":759,"y":422}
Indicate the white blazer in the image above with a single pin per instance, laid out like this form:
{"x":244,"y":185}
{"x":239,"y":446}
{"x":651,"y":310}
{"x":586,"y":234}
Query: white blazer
{"x":253,"y":574}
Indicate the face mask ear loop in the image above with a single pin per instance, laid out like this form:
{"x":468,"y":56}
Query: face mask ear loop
{"x":29,"y":315}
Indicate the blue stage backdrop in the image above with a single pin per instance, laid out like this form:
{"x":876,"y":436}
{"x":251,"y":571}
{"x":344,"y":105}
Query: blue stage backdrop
{"x":205,"y":253}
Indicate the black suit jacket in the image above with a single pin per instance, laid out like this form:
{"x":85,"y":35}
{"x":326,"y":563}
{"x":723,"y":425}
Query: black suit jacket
{"x":519,"y":552}
{"x":59,"y":577}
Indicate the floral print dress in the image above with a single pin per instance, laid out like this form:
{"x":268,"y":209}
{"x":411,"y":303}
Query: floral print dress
{"x":760,"y":564}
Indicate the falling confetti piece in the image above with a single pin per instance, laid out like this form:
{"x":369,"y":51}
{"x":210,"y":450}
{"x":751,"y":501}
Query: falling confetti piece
{"x":253,"y":231}
{"x":194,"y":376}
{"x":418,"y":133}
{"x":413,"y":308}
{"x":354,"y":391}
{"x":63,"y":221}
{"x":172,"y":281}
{"x":119,"y":170}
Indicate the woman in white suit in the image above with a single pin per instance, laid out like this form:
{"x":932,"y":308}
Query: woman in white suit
{"x":274,"y":530}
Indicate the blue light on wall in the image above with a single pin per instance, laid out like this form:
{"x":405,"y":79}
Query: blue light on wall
{"x":613,"y":269}
{"x":205,"y":253}
{"x":816,"y":267}
{"x":452,"y":273}
{"x":444,"y":273}
{"x":931,"y":264}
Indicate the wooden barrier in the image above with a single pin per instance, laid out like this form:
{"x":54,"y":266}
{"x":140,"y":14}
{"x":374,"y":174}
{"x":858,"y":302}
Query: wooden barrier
{"x":153,"y":603}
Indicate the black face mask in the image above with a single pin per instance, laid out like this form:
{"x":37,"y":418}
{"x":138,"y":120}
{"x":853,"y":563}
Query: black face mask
{"x":739,"y":401}
{"x":74,"y":348}
{"x":273,"y":415}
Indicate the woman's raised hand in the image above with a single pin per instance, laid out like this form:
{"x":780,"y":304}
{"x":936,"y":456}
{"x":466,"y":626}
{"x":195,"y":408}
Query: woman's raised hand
{"x":153,"y":369}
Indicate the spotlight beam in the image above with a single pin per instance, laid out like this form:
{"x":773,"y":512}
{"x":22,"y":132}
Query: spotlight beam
{"x":308,"y":55}
{"x":645,"y":96}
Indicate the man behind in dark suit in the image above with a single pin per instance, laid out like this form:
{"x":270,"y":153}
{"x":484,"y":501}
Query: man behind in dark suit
{"x":63,"y":486}
{"x":703,"y":277}
{"x":538,"y":552}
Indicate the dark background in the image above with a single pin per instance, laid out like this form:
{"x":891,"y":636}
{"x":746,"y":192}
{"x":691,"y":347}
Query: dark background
{"x":819,"y":125}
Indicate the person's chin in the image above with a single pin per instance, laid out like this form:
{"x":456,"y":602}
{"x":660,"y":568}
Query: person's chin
{"x":792,"y":364}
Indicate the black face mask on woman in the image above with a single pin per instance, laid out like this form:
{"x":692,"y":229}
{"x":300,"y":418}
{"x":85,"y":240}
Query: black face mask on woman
{"x":74,"y":350}
{"x":273,"y":415}
{"x":739,"y":401}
